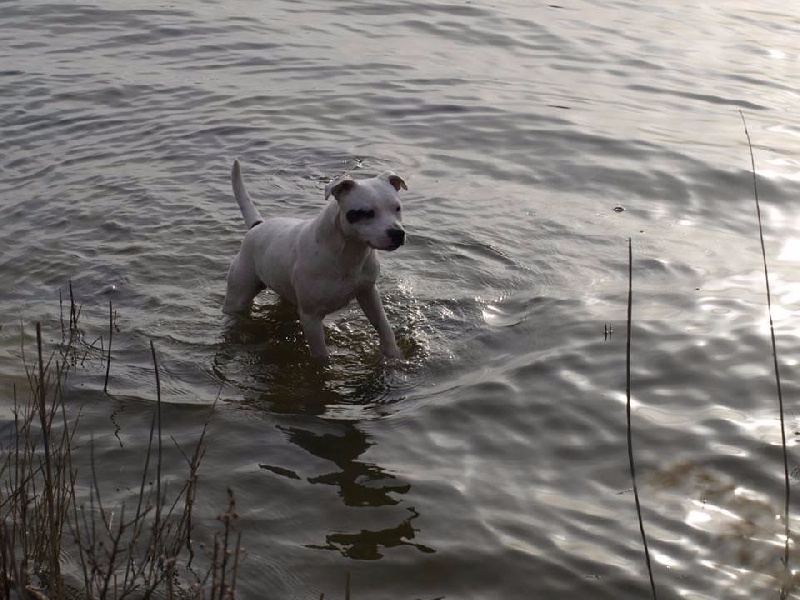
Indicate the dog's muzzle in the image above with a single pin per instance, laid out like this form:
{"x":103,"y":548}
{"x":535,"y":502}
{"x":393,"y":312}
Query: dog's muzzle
{"x":397,"y":237}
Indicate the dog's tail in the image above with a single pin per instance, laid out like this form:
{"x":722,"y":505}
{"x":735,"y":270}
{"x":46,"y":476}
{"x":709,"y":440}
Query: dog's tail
{"x":250,"y":213}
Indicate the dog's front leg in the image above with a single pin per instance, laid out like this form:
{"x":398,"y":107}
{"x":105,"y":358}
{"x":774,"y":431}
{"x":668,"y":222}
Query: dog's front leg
{"x":370,"y":302}
{"x":315,"y":336}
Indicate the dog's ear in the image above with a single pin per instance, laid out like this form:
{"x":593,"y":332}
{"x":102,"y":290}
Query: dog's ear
{"x":338,"y":187}
{"x":394,"y":180}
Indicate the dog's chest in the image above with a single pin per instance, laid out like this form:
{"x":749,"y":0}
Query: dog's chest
{"x":327,"y":290}
{"x":339,"y":288}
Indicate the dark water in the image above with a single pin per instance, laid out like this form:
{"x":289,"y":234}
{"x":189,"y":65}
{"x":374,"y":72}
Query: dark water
{"x":492,"y":464}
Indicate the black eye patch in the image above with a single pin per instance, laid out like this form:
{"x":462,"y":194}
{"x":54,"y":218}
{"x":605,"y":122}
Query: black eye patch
{"x":354,"y":216}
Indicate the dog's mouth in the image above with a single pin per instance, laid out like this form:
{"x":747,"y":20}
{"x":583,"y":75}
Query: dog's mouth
{"x":390,"y":247}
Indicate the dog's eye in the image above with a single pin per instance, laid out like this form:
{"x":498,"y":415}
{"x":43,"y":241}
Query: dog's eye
{"x":397,"y":209}
{"x":354,"y":216}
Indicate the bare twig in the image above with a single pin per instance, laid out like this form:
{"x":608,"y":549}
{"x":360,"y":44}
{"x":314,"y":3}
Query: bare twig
{"x":110,"y":336}
{"x":55,"y":536}
{"x":158,"y":440}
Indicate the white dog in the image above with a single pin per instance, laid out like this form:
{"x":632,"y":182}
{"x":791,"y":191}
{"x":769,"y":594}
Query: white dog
{"x":321,"y":264}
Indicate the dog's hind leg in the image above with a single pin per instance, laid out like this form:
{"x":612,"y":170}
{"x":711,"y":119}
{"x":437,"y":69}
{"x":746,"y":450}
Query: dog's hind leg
{"x":243,"y":286}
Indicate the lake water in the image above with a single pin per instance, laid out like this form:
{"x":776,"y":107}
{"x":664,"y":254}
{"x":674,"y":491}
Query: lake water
{"x":492,"y":463}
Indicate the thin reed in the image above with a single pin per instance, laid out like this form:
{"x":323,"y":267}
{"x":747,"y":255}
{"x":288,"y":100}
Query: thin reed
{"x":110,"y":337}
{"x":631,"y":462}
{"x":786,"y":487}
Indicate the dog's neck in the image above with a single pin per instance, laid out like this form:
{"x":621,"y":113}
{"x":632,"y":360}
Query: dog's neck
{"x":350,"y":252}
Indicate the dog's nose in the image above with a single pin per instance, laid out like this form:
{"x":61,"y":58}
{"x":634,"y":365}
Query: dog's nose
{"x":397,"y":236}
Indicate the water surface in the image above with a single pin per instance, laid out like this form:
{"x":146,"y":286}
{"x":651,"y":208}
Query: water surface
{"x":492,"y":463}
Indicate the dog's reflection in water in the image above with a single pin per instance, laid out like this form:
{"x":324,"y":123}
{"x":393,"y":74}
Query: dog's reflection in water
{"x":265,"y":356}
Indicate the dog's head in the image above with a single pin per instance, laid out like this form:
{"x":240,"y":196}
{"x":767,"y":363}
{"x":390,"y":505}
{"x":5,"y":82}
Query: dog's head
{"x":370,"y":209}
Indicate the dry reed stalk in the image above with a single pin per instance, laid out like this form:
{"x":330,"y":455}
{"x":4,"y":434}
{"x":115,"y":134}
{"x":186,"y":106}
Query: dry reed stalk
{"x":110,"y":337}
{"x":629,"y":428}
{"x":787,"y":533}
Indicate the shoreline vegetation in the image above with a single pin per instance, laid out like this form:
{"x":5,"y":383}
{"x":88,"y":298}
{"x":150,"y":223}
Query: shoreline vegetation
{"x":60,"y":539}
